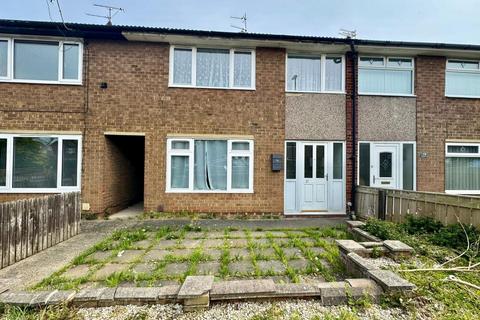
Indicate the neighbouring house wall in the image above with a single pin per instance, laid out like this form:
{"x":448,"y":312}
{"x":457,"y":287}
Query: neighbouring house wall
{"x":438,"y":119}
{"x":138,"y":100}
{"x":313,"y":116}
{"x":386,"y":118}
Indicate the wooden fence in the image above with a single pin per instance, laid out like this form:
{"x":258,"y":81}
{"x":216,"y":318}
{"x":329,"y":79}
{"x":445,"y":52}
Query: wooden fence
{"x":32,"y":225}
{"x":395,"y":205}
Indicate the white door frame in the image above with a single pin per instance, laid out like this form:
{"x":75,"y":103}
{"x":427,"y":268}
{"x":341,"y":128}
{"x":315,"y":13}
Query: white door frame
{"x":375,"y":179}
{"x":315,"y":181}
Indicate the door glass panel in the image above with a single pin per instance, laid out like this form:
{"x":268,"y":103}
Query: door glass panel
{"x":385,"y":164}
{"x":337,"y":161}
{"x":408,"y":169}
{"x":364,"y":164}
{"x":291,"y":160}
{"x":308,"y":164}
{"x":320,"y":170}
{"x":3,"y":162}
{"x":69,"y":163}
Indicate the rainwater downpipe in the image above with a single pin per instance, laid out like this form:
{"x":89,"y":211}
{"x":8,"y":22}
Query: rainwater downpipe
{"x":354,"y":122}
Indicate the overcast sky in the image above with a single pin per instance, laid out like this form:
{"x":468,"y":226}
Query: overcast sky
{"x":454,"y":21}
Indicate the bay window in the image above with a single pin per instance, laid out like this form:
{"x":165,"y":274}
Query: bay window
{"x":462,"y":78}
{"x":205,"y":165}
{"x":212,"y":68}
{"x":462,"y":168}
{"x":40,"y":61}
{"x":314,"y":73}
{"x":385,"y":75}
{"x":35,"y":163}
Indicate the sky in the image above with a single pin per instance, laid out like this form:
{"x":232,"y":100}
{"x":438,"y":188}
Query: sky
{"x":451,"y":21}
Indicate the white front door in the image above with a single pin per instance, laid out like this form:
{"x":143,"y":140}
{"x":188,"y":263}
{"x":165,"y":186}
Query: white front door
{"x":385,"y":166}
{"x":314,"y":193}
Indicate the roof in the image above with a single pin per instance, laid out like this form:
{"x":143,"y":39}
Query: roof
{"x":116,"y":32}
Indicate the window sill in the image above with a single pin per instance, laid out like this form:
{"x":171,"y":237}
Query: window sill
{"x":452,"y":96}
{"x":395,"y":95}
{"x":38,"y":190}
{"x":69,"y":83}
{"x":209,"y":192}
{"x":315,"y":92}
{"x":215,"y":88}
{"x":463,"y":192}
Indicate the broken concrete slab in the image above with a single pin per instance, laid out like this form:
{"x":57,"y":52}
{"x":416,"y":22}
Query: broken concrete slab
{"x":239,"y":289}
{"x":195,"y":286}
{"x":390,"y":281}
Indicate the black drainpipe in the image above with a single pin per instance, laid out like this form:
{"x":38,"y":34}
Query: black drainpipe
{"x":354,"y":121}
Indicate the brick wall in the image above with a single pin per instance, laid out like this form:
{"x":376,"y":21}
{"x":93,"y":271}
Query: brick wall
{"x":439,"y":118}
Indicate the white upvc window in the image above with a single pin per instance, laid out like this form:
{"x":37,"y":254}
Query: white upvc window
{"x":209,"y":165}
{"x":393,"y":76}
{"x":315,"y":73}
{"x":216,"y":68}
{"x":34,"y":163}
{"x":34,"y":60}
{"x":462,"y":168}
{"x":462,"y":78}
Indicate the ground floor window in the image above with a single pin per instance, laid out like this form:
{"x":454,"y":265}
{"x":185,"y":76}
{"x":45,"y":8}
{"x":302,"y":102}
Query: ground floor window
{"x":208,"y":165}
{"x":387,"y":165}
{"x":39,"y":163}
{"x":462,"y":168}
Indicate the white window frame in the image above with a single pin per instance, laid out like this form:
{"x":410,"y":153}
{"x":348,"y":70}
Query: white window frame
{"x":447,"y":70}
{"x":323,"y":58}
{"x":193,"y":83}
{"x":461,"y":155}
{"x":11,"y":61}
{"x":386,"y":67}
{"x":9,"y":172}
{"x":190,"y":154}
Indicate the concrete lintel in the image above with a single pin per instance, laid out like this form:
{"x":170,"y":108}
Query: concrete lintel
{"x":124,"y":133}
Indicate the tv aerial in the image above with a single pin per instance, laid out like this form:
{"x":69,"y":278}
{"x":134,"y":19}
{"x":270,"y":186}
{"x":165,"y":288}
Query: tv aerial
{"x":349,"y":34}
{"x":112,"y":12}
{"x":243,"y":20}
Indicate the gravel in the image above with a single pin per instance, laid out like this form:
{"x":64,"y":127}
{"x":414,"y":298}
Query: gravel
{"x":296,"y":309}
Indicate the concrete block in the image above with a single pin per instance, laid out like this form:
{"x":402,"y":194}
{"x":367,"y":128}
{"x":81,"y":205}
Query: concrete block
{"x":195,"y":286}
{"x":398,"y":248}
{"x":296,"y":290}
{"x":354,"y":224}
{"x":390,"y":281}
{"x":19,"y":298}
{"x":239,"y":289}
{"x":357,"y":265}
{"x":363,"y":235}
{"x":334,"y":293}
{"x":347,"y":246}
{"x":134,"y":295}
{"x":95,"y":297}
{"x":361,"y":287}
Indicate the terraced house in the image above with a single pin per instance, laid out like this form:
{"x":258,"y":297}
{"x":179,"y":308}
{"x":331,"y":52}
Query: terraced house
{"x":231,"y":122}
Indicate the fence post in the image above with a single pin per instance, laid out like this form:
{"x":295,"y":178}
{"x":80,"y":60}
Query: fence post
{"x":382,"y":199}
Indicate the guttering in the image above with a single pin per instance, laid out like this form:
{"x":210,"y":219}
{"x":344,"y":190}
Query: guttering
{"x":354,"y":121}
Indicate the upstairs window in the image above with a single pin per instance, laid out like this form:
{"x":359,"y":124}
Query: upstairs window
{"x":462,"y":79}
{"x":212,"y":68}
{"x":39,"y":61}
{"x":462,"y":168}
{"x":385,"y":75}
{"x":322,"y":73}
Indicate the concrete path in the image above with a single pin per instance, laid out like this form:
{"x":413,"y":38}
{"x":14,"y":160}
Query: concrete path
{"x":131,"y":212}
{"x":30,"y":271}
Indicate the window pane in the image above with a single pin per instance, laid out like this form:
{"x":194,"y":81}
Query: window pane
{"x":463,"y":149}
{"x":459,"y":64}
{"x":400,"y":63}
{"x":240,"y":172}
{"x":240,"y":146}
{"x":333,"y":74}
{"x":364,"y":164}
{"x":303,"y":74}
{"x":320,"y":170}
{"x":462,"y":84}
{"x":308,"y":164}
{"x":385,"y":164}
{"x":398,"y":81}
{"x":3,"y":58}
{"x":180,"y":172}
{"x":180,"y":145}
{"x":462,"y":173}
{"x":69,"y":163}
{"x":36,"y":60}
{"x":3,"y":162}
{"x":371,"y":62}
{"x":408,"y":167}
{"x":213,"y":67}
{"x":337,"y":161}
{"x":182,"y":66}
{"x":35,"y":162}
{"x":70,"y":61}
{"x":371,"y":80}
{"x":210,"y":165}
{"x":242,"y":73}
{"x":291,"y":160}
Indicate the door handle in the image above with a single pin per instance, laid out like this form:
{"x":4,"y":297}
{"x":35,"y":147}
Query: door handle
{"x":373,"y":179}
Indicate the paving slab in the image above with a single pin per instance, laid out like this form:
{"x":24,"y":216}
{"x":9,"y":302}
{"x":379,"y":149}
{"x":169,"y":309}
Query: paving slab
{"x":175,"y":269}
{"x":128,"y":256}
{"x":334,"y":293}
{"x":107,"y":270}
{"x":133,"y":295}
{"x":397,"y":246}
{"x":77,"y":271}
{"x":266,"y":254}
{"x":297,"y":290}
{"x":215,"y":235}
{"x":182,"y":253}
{"x":6,"y":284}
{"x":390,"y":281}
{"x":361,"y":287}
{"x":258,"y":234}
{"x":214,"y":254}
{"x":241,"y":289}
{"x":100,"y":255}
{"x":60,"y":297}
{"x":317,"y":250}
{"x":239,"y":253}
{"x":271,"y":266}
{"x":348,"y":246}
{"x":194,"y":235}
{"x":238,"y":243}
{"x":195,"y":286}
{"x":190,"y":243}
{"x":262,"y":242}
{"x":282,"y":242}
{"x":277,"y":234}
{"x":144,"y":268}
{"x":292,"y":253}
{"x":299,"y":265}
{"x":355,"y":224}
{"x":213,"y":243}
{"x":242,"y":267}
{"x":155,"y":255}
{"x":211,"y":267}
{"x":94,"y":297}
{"x":143,"y":244}
{"x":237,"y":234}
{"x":165,"y":244}
{"x":19,"y":298}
